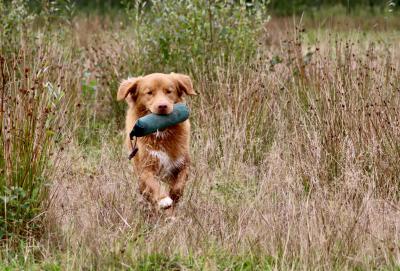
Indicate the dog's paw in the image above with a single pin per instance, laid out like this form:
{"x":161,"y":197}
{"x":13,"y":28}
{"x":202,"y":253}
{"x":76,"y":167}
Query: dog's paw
{"x":165,"y":203}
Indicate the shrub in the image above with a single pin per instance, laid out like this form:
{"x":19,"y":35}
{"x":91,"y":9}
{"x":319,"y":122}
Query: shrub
{"x":175,"y":34}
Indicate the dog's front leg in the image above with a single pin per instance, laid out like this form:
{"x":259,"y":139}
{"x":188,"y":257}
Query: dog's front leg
{"x":178,"y":184}
{"x":150,"y":188}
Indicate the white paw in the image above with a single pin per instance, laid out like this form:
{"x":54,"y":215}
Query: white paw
{"x":165,"y":203}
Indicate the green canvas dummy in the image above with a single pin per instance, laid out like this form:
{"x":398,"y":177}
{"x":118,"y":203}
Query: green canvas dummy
{"x":152,"y":122}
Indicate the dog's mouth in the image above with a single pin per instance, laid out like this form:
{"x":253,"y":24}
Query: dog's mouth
{"x":143,"y":112}
{"x":161,"y":111}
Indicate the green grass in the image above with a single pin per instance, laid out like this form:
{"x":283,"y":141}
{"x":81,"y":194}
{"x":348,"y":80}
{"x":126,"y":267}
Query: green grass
{"x":157,"y":262}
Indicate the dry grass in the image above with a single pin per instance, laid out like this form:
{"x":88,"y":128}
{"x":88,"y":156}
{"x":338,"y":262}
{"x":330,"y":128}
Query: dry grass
{"x":294,"y":163}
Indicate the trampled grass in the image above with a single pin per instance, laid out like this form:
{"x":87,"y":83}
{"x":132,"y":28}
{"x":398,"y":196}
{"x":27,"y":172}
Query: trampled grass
{"x":294,"y":151}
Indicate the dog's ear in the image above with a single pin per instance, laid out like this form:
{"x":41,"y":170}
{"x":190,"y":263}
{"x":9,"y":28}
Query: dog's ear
{"x":184,"y":83}
{"x":127,"y":86}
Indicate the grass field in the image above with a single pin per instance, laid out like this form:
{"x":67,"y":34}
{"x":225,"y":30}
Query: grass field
{"x":295,"y":140}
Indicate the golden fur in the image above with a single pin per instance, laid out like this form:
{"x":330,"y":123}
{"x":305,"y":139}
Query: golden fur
{"x":162,"y":156}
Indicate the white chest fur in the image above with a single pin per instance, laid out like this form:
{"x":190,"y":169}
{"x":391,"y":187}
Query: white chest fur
{"x":167,"y":163}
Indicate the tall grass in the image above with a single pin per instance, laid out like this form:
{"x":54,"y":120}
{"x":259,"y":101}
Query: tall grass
{"x":36,"y":77}
{"x":294,"y":144}
{"x":35,"y":106}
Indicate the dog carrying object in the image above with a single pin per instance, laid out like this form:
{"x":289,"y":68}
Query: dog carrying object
{"x":152,"y":122}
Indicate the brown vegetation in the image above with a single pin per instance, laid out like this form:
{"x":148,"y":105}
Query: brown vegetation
{"x":294,"y":158}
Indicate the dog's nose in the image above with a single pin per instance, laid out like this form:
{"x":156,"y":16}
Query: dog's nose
{"x":163,"y":107}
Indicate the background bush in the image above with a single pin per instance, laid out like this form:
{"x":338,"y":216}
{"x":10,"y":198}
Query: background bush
{"x":286,"y":7}
{"x":178,"y":35}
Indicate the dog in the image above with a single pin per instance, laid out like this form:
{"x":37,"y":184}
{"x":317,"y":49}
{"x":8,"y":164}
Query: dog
{"x":164,"y":155}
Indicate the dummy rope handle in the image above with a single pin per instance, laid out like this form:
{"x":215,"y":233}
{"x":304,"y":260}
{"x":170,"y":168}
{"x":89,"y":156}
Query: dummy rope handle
{"x":134,"y":148}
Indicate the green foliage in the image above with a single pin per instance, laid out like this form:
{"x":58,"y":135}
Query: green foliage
{"x":289,"y":7}
{"x":158,"y":262}
{"x":13,"y":17}
{"x":22,"y":258}
{"x":176,"y":34}
{"x":218,"y":260}
{"x":89,"y":86}
{"x":19,"y":208}
{"x":281,"y":7}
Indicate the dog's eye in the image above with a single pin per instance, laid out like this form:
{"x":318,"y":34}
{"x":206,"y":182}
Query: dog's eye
{"x":150,"y":92}
{"x":169,"y":91}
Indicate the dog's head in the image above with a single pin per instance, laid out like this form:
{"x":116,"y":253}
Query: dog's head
{"x":155,"y":92}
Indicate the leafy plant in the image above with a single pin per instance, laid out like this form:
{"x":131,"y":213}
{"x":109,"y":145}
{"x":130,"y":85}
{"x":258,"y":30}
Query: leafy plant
{"x":176,"y":34}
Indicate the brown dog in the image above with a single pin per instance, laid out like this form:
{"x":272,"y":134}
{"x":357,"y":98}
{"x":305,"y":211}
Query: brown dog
{"x":164,"y":155}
